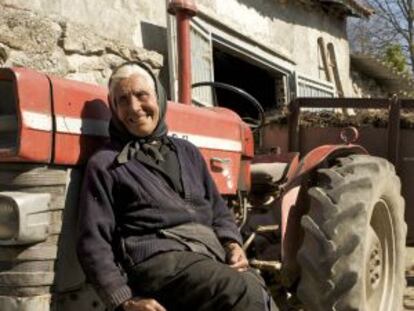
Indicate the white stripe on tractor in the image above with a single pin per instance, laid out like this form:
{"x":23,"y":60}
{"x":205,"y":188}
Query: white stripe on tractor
{"x":77,"y":126}
{"x":209,"y":142}
{"x":82,"y":126}
{"x":37,"y":121}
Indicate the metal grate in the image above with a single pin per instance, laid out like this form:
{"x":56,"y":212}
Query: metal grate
{"x":310,"y":87}
{"x":201,"y":64}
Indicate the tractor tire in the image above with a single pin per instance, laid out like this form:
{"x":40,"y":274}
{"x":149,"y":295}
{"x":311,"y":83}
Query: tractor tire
{"x":352,"y":256}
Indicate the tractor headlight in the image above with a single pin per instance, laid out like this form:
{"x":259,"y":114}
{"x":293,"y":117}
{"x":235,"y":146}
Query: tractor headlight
{"x":24,"y":217}
{"x":9,"y":219}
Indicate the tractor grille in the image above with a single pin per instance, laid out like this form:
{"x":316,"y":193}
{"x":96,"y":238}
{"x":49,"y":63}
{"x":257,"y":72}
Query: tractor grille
{"x":8,"y":116}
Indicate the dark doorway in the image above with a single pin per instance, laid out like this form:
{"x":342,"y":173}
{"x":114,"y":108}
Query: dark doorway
{"x":264,"y":85}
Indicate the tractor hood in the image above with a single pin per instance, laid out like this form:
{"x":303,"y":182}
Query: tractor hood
{"x":45,"y":119}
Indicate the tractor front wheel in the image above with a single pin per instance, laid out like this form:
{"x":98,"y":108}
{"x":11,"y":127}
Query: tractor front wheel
{"x":352,"y":256}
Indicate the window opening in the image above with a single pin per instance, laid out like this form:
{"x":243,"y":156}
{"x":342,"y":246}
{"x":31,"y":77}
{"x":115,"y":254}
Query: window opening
{"x":268,"y":87}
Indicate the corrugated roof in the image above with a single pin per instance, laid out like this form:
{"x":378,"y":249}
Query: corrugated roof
{"x":387,"y":76}
{"x":352,"y":7}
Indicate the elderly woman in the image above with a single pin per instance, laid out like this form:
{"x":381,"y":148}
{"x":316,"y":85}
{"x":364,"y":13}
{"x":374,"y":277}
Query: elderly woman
{"x":154,"y":233}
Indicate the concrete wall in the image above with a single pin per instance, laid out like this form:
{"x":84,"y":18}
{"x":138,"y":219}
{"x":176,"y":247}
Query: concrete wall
{"x":288,"y":28}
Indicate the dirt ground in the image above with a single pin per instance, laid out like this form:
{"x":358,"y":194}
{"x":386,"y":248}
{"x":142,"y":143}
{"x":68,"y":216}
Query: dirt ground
{"x":409,"y":292}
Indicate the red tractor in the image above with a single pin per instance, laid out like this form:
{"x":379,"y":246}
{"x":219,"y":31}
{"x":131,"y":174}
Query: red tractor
{"x":326,"y":229}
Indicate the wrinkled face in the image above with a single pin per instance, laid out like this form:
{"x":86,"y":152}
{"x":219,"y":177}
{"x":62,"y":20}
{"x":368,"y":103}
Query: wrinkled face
{"x":136,"y":105}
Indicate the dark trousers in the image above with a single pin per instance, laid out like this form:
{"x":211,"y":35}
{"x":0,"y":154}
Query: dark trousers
{"x":187,"y":281}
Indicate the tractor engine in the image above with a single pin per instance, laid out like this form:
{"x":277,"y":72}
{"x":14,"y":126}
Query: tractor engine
{"x":49,"y":127}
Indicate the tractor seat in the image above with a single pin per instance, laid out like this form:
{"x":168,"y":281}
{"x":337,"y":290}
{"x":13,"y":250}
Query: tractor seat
{"x":268,"y":173}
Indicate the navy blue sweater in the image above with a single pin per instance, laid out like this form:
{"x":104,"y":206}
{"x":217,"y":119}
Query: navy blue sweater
{"x":123,"y":207}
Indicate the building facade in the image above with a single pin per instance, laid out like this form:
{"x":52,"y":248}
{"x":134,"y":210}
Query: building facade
{"x":273,"y":49}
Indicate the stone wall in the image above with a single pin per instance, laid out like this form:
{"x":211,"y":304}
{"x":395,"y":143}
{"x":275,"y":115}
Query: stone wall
{"x":64,"y":48}
{"x":136,"y":22}
{"x":288,"y":28}
{"x":365,"y":87}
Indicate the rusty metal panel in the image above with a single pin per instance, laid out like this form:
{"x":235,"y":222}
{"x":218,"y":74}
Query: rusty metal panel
{"x":392,"y":105}
{"x":219,"y":137}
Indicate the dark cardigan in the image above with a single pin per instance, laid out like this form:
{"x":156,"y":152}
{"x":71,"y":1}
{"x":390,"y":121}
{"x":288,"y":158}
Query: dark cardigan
{"x":123,"y":208}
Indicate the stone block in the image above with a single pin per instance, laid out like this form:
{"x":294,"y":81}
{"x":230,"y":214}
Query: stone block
{"x":112,"y":60}
{"x":81,"y":40}
{"x":4,"y":53}
{"x":83,"y":63}
{"x":53,"y":62}
{"x":154,"y":59}
{"x":23,"y":30}
{"x":94,"y":77}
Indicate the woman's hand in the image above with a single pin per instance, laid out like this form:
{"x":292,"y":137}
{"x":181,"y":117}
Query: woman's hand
{"x":142,"y":304}
{"x":236,"y":256}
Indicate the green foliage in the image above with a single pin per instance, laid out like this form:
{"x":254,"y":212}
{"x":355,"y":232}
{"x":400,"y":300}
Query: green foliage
{"x":394,"y":55}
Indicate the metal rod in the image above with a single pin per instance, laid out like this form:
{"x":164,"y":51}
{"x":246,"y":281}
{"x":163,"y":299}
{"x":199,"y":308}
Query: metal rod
{"x":184,"y":11}
{"x":249,"y":241}
{"x":184,"y":58}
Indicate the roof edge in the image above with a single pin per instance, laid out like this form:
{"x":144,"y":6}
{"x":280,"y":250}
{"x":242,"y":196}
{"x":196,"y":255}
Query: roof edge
{"x":353,"y":7}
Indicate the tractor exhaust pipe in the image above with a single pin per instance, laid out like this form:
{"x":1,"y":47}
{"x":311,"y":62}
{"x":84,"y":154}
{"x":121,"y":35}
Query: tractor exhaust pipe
{"x":184,"y":10}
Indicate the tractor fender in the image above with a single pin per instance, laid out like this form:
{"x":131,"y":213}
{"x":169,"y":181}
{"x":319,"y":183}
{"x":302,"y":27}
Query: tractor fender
{"x":294,"y":201}
{"x":316,"y":157}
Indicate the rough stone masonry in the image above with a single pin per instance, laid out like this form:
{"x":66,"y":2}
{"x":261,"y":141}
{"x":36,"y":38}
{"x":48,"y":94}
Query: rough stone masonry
{"x":66,"y":49}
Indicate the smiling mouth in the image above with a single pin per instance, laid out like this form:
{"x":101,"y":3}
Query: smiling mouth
{"x":138,"y":119}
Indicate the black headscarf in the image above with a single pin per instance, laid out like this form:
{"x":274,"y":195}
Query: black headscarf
{"x":154,"y":150}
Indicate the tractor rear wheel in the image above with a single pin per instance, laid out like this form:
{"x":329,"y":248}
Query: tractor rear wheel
{"x":352,"y":256}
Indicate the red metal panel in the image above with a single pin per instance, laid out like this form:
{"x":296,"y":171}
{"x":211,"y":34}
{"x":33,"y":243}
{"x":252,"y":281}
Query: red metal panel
{"x":225,"y":174}
{"x":213,"y":122}
{"x":247,"y":142}
{"x":81,"y":117}
{"x":34,"y":116}
{"x":219,"y":135}
{"x":79,"y":122}
{"x":81,"y":108}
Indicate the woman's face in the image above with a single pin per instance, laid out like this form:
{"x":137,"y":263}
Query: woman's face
{"x":136,"y":105}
